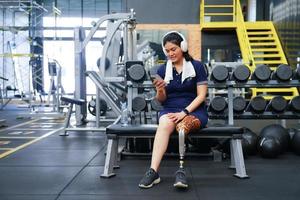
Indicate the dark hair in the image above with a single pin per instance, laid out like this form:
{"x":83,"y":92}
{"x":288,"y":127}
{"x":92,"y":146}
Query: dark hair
{"x":176,"y":39}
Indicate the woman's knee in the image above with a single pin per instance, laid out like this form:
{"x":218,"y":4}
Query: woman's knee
{"x":166,"y":123}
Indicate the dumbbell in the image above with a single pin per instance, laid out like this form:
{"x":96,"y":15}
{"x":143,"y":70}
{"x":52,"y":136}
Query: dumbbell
{"x":241,"y":73}
{"x":257,"y":104}
{"x":294,"y":104}
{"x":239,"y":104}
{"x":156,"y":105}
{"x":282,"y":73}
{"x":217,"y":105}
{"x":135,"y":71}
{"x":139,"y":103}
{"x":219,"y":73}
{"x":261,"y":73}
{"x":277,"y":104}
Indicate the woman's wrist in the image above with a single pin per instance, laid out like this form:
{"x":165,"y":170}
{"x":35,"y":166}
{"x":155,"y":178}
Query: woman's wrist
{"x":160,"y":90}
{"x":186,"y":111}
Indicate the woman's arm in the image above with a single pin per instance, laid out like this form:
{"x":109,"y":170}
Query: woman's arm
{"x":201,"y":96}
{"x":160,"y":85}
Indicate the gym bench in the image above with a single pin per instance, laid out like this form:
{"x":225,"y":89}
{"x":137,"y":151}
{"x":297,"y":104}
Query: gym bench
{"x":116,"y":131}
{"x":71,"y":102}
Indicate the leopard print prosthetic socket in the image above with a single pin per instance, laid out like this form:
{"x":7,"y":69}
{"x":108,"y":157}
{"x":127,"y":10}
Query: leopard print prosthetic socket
{"x":188,"y":124}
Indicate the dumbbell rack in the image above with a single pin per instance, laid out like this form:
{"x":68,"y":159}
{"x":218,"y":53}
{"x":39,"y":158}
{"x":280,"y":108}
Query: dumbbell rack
{"x":231,"y":85}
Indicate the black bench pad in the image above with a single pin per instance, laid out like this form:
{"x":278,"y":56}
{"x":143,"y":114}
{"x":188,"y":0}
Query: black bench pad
{"x":144,"y":130}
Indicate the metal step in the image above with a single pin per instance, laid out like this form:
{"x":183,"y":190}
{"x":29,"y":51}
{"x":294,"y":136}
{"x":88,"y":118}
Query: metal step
{"x":265,"y":50}
{"x":263,"y":44}
{"x":260,"y":33}
{"x":266,"y":55}
{"x":261,"y":38}
{"x":268,"y":62}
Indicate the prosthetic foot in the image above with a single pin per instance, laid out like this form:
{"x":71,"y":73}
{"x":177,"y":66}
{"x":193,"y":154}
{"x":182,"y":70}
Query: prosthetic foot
{"x":180,"y":180}
{"x":187,"y":125}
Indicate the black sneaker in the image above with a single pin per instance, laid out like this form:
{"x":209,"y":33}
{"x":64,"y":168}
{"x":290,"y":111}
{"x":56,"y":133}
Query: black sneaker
{"x":180,"y":181}
{"x":150,"y":178}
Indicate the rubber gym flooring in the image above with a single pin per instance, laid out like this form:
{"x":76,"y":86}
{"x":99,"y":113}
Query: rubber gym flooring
{"x":68,"y":168}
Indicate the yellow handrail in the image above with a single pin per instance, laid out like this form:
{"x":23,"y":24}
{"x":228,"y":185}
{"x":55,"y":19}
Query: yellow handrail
{"x":241,"y":29}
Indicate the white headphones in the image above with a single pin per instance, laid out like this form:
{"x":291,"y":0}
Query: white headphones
{"x":183,"y":43}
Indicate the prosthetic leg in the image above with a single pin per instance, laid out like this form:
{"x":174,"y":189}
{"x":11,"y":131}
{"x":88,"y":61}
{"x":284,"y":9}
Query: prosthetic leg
{"x":188,"y":124}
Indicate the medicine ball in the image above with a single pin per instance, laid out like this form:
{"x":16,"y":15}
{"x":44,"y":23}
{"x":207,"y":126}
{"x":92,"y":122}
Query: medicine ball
{"x":249,"y":142}
{"x":295,"y":142}
{"x":278,"y":132}
{"x":269,"y":147}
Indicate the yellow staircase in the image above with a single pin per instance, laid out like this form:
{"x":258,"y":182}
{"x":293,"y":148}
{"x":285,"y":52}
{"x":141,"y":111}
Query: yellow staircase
{"x":265,"y":44}
{"x":259,"y":42}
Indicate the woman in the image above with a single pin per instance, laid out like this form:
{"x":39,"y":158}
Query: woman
{"x":181,"y":86}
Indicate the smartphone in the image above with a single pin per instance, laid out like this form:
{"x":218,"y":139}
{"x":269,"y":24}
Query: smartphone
{"x":155,"y":76}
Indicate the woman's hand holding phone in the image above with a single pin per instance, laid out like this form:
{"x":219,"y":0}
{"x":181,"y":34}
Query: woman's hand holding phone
{"x":159,"y":83}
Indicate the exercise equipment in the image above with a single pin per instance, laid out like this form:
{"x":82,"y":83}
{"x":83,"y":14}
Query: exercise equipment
{"x":257,"y":104}
{"x":219,"y":73}
{"x":297,"y":73}
{"x":136,"y":71}
{"x":239,"y":104}
{"x":119,"y":46}
{"x":294,"y":104}
{"x":92,"y":107}
{"x":295,"y":142}
{"x":249,"y":142}
{"x":277,"y":104}
{"x":261,"y":73}
{"x":282,"y":73}
{"x":156,"y":105}
{"x":107,"y":63}
{"x":217,"y":105}
{"x":139,"y":103}
{"x":269,"y":147}
{"x":71,"y":102}
{"x":241,"y":73}
{"x":56,"y":89}
{"x":279,"y":133}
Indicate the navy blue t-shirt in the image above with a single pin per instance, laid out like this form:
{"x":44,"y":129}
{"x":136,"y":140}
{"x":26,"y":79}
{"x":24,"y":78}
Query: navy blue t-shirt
{"x":180,"y":95}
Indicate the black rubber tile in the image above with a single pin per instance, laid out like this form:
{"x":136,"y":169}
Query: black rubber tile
{"x":32,"y":157}
{"x":126,"y":182}
{"x":24,"y":132}
{"x":28,"y":197}
{"x":12,"y":142}
{"x":99,"y":159}
{"x":71,"y":142}
{"x":40,"y":125}
{"x":268,"y":180}
{"x":35,"y":180}
{"x":84,"y":134}
{"x":130,"y":197}
{"x":3,"y":151}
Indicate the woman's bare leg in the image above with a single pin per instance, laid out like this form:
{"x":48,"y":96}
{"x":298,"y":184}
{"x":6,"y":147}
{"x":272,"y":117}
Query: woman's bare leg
{"x":161,"y":140}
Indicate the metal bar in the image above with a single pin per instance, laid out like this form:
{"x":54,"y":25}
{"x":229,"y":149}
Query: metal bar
{"x":230,"y":106}
{"x":112,"y":149}
{"x":218,"y":14}
{"x":218,"y":6}
{"x":238,"y":158}
{"x":113,"y":17}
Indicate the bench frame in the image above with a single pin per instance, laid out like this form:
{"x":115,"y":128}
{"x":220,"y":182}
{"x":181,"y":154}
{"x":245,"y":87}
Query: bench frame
{"x":237,"y":158}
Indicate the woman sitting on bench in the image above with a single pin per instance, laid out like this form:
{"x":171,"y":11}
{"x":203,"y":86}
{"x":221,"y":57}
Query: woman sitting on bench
{"x":181,"y":86}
